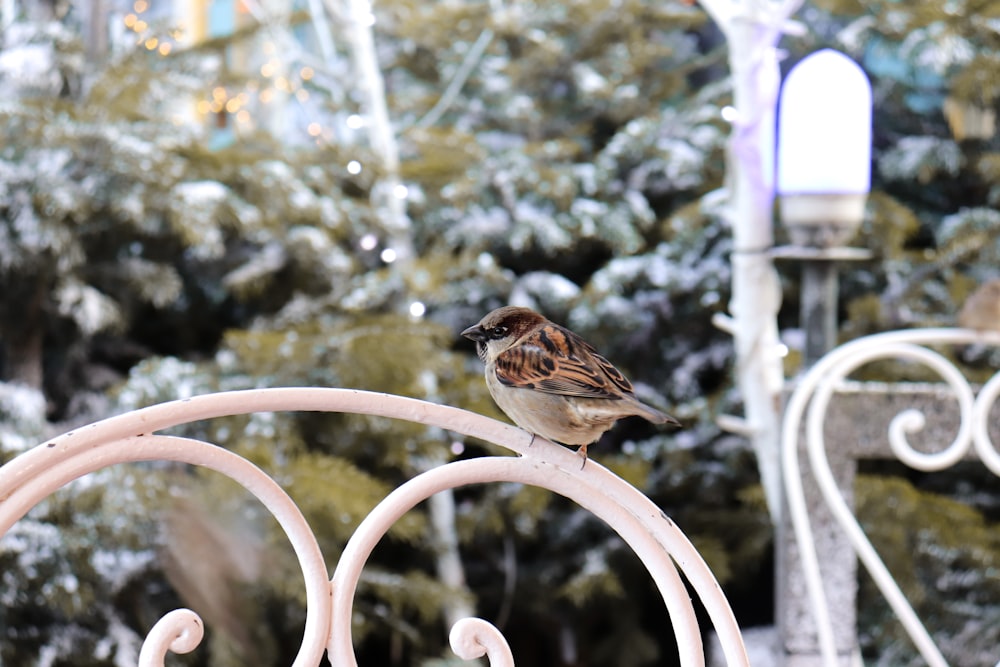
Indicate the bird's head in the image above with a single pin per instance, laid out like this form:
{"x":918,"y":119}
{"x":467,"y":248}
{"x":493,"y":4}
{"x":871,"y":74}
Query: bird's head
{"x":501,"y":328}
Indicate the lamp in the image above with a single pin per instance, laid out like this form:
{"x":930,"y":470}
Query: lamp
{"x":823,"y":178}
{"x":824,"y":149}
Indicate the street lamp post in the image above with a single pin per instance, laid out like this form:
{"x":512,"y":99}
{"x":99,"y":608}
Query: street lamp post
{"x":824,"y":171}
{"x":823,"y":176}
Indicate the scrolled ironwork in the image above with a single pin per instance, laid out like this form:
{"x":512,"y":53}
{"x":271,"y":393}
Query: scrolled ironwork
{"x":473,"y":638}
{"x":39,"y":472}
{"x":132,"y":437}
{"x":811,"y":397}
{"x":986,"y":449}
{"x":179,"y":631}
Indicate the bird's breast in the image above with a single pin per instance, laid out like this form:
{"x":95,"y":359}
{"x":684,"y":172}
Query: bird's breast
{"x":565,"y":419}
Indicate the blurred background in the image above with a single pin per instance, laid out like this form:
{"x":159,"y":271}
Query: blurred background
{"x":204,"y":195}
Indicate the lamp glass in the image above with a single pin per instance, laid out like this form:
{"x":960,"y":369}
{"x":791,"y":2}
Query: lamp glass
{"x":824,"y":127}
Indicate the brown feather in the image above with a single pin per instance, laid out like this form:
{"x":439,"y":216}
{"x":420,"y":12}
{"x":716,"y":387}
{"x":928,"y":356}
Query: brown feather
{"x":557,"y":361}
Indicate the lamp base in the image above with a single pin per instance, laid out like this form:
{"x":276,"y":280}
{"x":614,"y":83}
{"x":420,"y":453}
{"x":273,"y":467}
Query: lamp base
{"x":822,"y":220}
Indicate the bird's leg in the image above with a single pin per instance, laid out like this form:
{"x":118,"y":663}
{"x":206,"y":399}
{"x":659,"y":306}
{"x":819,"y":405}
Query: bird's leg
{"x":532,"y":441}
{"x":583,"y":452}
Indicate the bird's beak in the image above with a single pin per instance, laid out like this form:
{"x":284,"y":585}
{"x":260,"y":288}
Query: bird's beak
{"x":476,"y":333}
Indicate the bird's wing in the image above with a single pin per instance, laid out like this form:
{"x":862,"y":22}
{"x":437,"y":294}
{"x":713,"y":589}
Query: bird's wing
{"x":557,"y":361}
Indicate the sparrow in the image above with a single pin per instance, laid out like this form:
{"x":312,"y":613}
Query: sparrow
{"x":551,"y":382}
{"x":981,"y":310}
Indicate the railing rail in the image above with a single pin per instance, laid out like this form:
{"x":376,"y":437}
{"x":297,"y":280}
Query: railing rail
{"x":811,"y":399}
{"x":132,"y":437}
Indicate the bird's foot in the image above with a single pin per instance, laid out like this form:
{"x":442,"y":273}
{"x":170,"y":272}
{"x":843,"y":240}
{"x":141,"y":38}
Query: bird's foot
{"x":582,"y":451}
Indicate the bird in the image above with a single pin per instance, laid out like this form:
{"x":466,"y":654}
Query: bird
{"x":551,"y":382}
{"x":981,"y":311}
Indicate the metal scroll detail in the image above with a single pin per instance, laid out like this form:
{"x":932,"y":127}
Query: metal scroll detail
{"x":814,"y":391}
{"x":35,"y":474}
{"x":132,"y":437}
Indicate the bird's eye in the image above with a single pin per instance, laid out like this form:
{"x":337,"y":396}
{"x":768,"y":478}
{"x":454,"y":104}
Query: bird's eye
{"x":498,"y":332}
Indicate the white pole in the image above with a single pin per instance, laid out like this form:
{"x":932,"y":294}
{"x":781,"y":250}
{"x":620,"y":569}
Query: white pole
{"x":752,"y":30}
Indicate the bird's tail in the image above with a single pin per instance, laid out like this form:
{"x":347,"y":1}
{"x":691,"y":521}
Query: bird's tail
{"x":653,"y":415}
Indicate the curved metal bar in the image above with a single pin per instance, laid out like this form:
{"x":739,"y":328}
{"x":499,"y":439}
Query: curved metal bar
{"x":82,"y":461}
{"x":179,"y":631}
{"x":814,"y":391}
{"x":985,"y":401}
{"x":224,"y":404}
{"x":36,"y":473}
{"x":831,"y":493}
{"x":908,"y":421}
{"x":473,"y":638}
{"x":639,"y":522}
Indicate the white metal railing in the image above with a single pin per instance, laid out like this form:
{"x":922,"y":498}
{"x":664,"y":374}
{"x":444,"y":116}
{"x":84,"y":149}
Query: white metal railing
{"x":132,"y":437}
{"x":814,"y":391}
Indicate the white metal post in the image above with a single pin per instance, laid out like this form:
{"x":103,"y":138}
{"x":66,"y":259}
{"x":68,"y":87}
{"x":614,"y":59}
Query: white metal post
{"x":752,"y":30}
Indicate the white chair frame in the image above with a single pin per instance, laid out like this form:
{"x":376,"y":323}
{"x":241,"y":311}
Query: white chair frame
{"x":813,"y":392}
{"x":663,"y":548}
